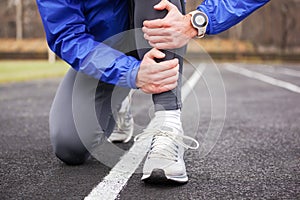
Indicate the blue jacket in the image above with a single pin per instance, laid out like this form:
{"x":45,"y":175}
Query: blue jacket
{"x":75,"y":31}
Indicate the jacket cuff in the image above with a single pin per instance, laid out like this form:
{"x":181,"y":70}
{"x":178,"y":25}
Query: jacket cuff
{"x":132,"y":74}
{"x":128,"y":79}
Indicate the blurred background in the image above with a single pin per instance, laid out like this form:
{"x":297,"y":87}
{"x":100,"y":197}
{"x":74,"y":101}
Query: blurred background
{"x":255,"y":157}
{"x":270,"y":34}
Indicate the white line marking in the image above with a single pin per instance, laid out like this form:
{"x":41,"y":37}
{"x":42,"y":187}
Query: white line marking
{"x":117,"y":178}
{"x":287,"y":71}
{"x":263,"y":78}
{"x":280,"y":70}
{"x":112,"y":184}
{"x":190,"y":84}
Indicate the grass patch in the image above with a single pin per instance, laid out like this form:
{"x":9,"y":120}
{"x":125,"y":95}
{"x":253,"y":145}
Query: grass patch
{"x":15,"y":71}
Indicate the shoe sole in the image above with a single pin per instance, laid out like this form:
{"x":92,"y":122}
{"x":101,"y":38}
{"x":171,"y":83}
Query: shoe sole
{"x":121,"y":141}
{"x":159,"y":175}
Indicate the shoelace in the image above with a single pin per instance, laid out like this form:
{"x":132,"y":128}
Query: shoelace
{"x":165,"y":143}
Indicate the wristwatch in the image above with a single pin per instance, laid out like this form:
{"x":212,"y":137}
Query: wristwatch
{"x":199,"y":21}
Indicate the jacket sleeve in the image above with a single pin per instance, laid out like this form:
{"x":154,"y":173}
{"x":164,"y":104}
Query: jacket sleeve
{"x":226,"y":13}
{"x":67,"y":35}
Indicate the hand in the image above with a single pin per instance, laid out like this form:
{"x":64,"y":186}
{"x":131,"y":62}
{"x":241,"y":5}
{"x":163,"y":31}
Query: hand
{"x":156,"y":77}
{"x":173,"y":31}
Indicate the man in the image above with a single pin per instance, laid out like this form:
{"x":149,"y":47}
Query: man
{"x":76,"y":30}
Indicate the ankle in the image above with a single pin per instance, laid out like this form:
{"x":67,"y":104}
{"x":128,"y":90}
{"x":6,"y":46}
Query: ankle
{"x":169,"y":118}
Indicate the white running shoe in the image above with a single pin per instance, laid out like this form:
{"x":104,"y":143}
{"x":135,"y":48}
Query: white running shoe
{"x":166,"y":153}
{"x":124,"y":123}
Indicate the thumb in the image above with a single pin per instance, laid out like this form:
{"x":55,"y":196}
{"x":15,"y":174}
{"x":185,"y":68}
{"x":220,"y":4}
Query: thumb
{"x":155,"y":53}
{"x":164,"y":4}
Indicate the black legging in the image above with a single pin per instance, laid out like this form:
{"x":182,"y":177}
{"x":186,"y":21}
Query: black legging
{"x":143,"y":10}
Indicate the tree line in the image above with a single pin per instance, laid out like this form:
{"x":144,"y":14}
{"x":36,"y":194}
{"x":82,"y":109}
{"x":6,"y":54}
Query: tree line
{"x":274,"y":26}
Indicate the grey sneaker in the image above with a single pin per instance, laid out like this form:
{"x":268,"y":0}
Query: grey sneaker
{"x":124,"y":123}
{"x":166,"y":153}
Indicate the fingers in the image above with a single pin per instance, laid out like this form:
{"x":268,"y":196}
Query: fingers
{"x":156,"y":77}
{"x":164,"y":4}
{"x":157,"y":69}
{"x":155,"y":53}
{"x":156,"y":31}
{"x":171,"y":32}
{"x":158,"y":39}
{"x":159,"y":89}
{"x":155,"y":23}
{"x":161,"y":77}
{"x":154,"y":89}
{"x":162,"y":81}
{"x":161,"y":66}
{"x":159,"y":23}
{"x":161,"y":42}
{"x":169,"y":64}
{"x":168,"y":85}
{"x":169,"y":77}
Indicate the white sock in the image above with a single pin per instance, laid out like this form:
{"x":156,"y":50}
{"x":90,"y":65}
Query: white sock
{"x":167,"y":118}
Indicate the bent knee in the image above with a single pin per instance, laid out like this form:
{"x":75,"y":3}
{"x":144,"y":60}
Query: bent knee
{"x":70,"y":156}
{"x":70,"y":150}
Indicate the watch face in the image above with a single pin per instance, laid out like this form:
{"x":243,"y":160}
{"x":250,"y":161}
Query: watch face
{"x":200,"y":20}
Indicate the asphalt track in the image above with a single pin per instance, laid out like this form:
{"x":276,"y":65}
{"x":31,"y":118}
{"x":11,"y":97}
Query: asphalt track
{"x":256,"y":156}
